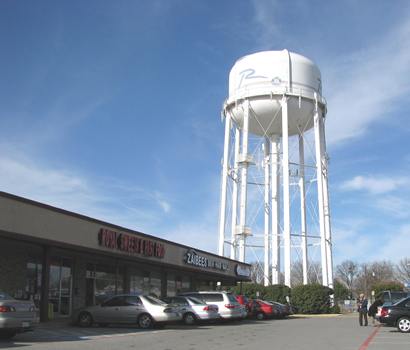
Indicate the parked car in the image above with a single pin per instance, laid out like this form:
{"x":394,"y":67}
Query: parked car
{"x":16,"y":316}
{"x":251,"y":306}
{"x":397,"y":315}
{"x":389,"y":298}
{"x":267,"y":309}
{"x":194,"y":309}
{"x":228,"y":306}
{"x":283,"y":310}
{"x":144,"y":310}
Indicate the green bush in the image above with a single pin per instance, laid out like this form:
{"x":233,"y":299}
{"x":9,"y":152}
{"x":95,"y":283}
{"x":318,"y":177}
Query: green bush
{"x":311,"y":299}
{"x":341,"y":291}
{"x":277,"y":292}
{"x":335,"y":309}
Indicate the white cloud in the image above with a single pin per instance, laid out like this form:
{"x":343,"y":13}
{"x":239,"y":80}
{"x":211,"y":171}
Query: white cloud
{"x":393,"y":245}
{"x":265,"y":25}
{"x":394,"y":206}
{"x":110,"y":201}
{"x":366,"y":86}
{"x":375,"y":185}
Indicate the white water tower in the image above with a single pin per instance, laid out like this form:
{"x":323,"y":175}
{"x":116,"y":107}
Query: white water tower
{"x":275,"y":98}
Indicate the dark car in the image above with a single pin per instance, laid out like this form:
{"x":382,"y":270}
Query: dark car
{"x":397,"y":315}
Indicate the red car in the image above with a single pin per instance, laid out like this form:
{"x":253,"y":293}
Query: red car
{"x":267,"y":310}
{"x":252,"y":307}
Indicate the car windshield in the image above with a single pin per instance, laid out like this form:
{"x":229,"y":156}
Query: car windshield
{"x":154,"y":301}
{"x":5,"y":296}
{"x":196,"y":301}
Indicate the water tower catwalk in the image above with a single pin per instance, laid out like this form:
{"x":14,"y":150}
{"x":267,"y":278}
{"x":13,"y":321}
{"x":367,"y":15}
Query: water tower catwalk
{"x":274,"y":168}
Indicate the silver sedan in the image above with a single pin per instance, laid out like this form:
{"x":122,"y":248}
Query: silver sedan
{"x":194,"y":310}
{"x":142,"y":309}
{"x":16,"y":316}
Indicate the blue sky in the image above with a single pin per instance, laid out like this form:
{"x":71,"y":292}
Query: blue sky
{"x":112,"y":109}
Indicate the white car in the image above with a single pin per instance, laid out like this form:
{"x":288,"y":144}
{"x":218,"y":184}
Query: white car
{"x":194,"y":309}
{"x":228,"y":306}
{"x":143,"y":310}
{"x":16,"y":316}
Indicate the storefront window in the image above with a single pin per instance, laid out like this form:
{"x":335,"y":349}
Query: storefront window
{"x":60,"y":286}
{"x":33,"y":282}
{"x":155,"y":284}
{"x":186,"y":284}
{"x":171,"y":285}
{"x":103,"y":281}
{"x":137,"y":284}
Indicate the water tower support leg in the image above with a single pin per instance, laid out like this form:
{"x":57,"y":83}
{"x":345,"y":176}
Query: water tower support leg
{"x":224,"y":181}
{"x":275,"y":207}
{"x":267,"y":212}
{"x":244,"y":181}
{"x":319,"y":175}
{"x":303,"y":208}
{"x":326,"y":207}
{"x":235,"y":196}
{"x":286,"y":191}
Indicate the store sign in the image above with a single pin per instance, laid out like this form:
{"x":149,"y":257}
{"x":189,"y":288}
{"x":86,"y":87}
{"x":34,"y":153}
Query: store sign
{"x":130,"y":244}
{"x":193,"y":258}
{"x":244,"y":271}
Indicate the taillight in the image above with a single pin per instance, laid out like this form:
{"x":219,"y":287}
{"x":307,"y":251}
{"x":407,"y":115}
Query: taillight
{"x":230,"y":306}
{"x":384,"y":312}
{"x":207,"y":308}
{"x":5,"y":308}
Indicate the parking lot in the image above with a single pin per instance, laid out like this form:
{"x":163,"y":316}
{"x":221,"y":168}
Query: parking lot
{"x":324,"y":332}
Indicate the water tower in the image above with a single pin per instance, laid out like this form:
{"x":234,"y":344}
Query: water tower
{"x":275,"y":100}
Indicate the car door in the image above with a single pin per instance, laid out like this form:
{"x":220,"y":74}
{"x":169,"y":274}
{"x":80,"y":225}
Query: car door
{"x":110,"y":310}
{"x":131,"y":309}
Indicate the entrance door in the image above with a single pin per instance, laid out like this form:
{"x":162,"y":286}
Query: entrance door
{"x":60,"y":286}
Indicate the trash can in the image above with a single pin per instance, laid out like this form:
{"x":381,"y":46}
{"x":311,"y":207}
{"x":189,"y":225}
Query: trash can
{"x":50,"y":311}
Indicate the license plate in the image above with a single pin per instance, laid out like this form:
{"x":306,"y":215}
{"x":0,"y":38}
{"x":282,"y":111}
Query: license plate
{"x":25,"y":324}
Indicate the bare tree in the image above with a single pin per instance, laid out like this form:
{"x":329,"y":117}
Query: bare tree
{"x":373,"y":273}
{"x":381,"y":271}
{"x":347,"y":272}
{"x":403,"y":270}
{"x":314,"y":272}
{"x":257,"y":273}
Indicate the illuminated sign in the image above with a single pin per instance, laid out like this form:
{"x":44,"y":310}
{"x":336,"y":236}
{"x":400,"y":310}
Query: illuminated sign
{"x":130,"y":244}
{"x":243,"y":271}
{"x":193,"y":258}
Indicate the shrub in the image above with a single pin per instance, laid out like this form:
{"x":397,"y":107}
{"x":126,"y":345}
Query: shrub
{"x":341,"y":291}
{"x":278,"y":292}
{"x":311,"y":299}
{"x":335,"y":309}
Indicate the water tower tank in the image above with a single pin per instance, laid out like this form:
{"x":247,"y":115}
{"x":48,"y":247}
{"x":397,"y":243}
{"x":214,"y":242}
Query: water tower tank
{"x":263,"y":78}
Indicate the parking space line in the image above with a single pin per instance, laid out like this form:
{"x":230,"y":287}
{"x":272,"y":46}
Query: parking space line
{"x":367,"y":342}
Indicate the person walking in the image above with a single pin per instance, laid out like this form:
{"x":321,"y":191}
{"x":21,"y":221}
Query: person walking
{"x":373,"y":310}
{"x":362,"y":309}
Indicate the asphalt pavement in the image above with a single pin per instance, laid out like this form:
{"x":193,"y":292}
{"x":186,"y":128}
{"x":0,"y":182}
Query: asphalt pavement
{"x":299,"y":332}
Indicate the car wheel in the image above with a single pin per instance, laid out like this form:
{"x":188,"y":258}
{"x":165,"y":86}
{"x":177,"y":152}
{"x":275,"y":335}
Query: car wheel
{"x":145,"y":321}
{"x":189,"y":319}
{"x":7,"y":334}
{"x":260,"y":316}
{"x":85,"y":319}
{"x":403,"y":325}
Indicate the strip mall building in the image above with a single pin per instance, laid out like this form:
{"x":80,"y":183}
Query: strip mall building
{"x":64,"y":261}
